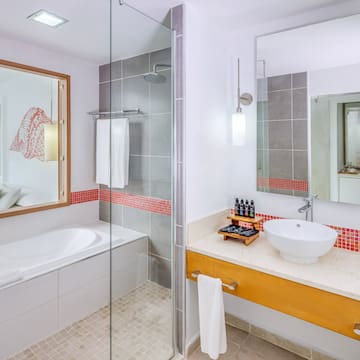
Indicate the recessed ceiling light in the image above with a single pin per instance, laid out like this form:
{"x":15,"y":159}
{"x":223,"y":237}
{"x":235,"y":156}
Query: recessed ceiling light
{"x":47,"y":18}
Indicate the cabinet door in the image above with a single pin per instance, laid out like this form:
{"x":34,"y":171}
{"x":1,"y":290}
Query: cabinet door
{"x":349,"y":190}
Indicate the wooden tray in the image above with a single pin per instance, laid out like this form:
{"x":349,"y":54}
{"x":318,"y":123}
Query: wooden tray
{"x":238,"y":220}
{"x":246,"y":239}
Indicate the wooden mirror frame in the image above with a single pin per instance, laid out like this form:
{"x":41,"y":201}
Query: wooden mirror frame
{"x":64,"y":161}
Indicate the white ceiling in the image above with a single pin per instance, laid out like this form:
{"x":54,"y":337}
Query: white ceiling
{"x":232,"y":14}
{"x":86,"y":35}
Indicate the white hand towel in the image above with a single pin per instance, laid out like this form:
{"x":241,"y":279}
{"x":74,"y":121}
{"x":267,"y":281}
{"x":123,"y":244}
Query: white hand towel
{"x":10,"y":276}
{"x":212,"y":316}
{"x":119,"y":152}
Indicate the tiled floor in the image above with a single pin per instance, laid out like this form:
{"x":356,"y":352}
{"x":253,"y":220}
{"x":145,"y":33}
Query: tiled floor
{"x":141,"y":331}
{"x":242,"y":346}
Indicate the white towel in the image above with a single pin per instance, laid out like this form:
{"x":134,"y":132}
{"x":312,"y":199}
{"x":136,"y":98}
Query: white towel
{"x":10,"y":276}
{"x":119,"y":152}
{"x":212,"y":316}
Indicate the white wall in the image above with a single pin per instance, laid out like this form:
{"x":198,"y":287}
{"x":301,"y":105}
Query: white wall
{"x":207,"y":98}
{"x":84,"y":98}
{"x":210,"y":101}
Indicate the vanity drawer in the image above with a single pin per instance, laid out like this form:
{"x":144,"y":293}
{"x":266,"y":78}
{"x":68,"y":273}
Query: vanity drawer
{"x":325,"y":309}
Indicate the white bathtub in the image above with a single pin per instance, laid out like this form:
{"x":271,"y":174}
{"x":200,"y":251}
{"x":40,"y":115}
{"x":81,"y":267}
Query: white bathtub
{"x":38,"y":255}
{"x":65,"y":277}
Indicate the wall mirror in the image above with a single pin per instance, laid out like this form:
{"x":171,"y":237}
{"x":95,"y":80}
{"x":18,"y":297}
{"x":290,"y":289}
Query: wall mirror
{"x":34,"y":139}
{"x":308,"y":111}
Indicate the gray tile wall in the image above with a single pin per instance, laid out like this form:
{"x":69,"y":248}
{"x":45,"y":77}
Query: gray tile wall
{"x":150,"y":150}
{"x":282,"y":129}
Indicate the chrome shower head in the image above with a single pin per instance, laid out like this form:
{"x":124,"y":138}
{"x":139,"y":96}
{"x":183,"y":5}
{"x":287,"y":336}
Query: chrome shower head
{"x":155,"y":77}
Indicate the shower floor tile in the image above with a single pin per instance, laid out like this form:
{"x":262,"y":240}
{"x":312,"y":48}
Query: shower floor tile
{"x":141,"y":330}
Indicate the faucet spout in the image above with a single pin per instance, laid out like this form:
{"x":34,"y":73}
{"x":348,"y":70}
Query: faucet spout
{"x":308,"y":208}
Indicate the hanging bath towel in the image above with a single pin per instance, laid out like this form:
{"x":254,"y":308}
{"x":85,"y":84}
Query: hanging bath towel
{"x":119,"y":154}
{"x":212,"y":316}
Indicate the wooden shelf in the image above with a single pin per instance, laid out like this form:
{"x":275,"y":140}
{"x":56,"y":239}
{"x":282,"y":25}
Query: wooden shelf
{"x":249,"y":220}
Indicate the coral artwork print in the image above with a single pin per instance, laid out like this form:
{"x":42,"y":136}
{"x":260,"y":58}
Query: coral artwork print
{"x":29,"y":139}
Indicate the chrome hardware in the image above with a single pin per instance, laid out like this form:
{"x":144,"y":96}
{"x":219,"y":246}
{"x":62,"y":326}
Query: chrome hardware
{"x":357,"y":329}
{"x":231,"y":286}
{"x":308,"y":207}
{"x":107,"y":114}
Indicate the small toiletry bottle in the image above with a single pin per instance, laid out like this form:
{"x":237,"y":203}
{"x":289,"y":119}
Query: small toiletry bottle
{"x":242,"y":208}
{"x":246,"y":208}
{"x":252,"y":209}
{"x":236,"y":206}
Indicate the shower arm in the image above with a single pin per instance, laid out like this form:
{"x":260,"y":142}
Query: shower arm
{"x":156,"y":66}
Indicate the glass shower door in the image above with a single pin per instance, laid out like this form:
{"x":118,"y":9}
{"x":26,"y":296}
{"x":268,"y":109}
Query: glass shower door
{"x":140,"y":91}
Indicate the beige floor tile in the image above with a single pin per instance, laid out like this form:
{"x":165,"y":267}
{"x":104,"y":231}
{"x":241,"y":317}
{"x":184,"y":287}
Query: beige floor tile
{"x":235,"y":335}
{"x":248,"y":347}
{"x":141,"y":330}
{"x":261,"y":349}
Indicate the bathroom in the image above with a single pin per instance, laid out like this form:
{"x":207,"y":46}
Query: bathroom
{"x":112,"y":209}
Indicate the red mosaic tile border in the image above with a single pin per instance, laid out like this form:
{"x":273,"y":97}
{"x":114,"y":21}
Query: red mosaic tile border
{"x":146,"y":203}
{"x":283,"y":184}
{"x":79,"y":197}
{"x":348,"y":239}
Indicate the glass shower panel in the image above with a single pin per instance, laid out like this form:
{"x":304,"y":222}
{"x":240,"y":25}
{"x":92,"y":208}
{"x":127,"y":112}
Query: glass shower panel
{"x":140,"y":97}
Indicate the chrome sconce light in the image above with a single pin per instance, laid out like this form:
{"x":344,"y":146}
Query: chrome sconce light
{"x":238,"y":117}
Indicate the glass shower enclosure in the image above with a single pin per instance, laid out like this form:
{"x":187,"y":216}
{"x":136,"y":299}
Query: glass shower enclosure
{"x":137,"y":91}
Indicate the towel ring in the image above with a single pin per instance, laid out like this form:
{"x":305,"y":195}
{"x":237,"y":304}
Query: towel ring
{"x":231,"y":286}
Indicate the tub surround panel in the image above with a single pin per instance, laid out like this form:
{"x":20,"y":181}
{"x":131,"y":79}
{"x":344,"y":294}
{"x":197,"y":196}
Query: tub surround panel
{"x":84,"y":301}
{"x":29,"y":328}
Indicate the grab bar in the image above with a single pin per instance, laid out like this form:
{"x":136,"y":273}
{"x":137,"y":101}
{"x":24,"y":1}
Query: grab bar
{"x":231,"y":286}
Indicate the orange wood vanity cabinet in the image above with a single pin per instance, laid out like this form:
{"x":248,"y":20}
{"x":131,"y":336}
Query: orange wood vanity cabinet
{"x":331,"y":311}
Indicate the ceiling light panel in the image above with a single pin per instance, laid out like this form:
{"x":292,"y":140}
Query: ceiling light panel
{"x":48,"y":18}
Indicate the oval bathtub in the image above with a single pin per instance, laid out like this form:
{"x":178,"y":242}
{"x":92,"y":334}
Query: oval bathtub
{"x":37,"y":255}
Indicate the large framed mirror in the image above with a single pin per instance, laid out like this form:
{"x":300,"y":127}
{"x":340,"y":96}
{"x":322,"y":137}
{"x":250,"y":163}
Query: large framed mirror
{"x":308,"y":118}
{"x":34,"y":139}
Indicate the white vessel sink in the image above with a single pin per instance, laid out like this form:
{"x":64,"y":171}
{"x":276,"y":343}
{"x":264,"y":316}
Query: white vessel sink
{"x":300,"y":241}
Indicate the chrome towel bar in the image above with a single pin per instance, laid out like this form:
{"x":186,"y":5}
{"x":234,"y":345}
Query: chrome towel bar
{"x":231,"y":286}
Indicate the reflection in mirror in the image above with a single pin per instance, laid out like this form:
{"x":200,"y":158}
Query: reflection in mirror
{"x":335,"y":128}
{"x":308,"y":81}
{"x":32,"y":159}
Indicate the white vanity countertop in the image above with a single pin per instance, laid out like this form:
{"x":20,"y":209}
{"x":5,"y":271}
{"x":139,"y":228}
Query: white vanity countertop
{"x":337,"y":272}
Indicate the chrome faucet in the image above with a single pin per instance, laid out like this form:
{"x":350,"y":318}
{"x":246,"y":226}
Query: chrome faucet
{"x":308,"y":208}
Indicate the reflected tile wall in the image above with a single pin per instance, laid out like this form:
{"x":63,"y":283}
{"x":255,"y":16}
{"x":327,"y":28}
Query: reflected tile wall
{"x":282,"y":134}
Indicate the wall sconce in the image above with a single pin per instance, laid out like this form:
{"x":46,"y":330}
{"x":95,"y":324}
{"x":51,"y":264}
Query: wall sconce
{"x":238,"y":117}
{"x":51,"y":140}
